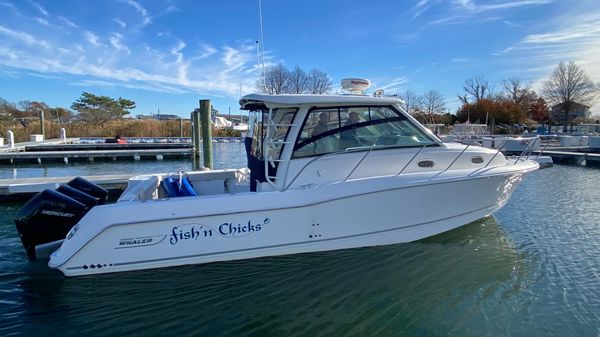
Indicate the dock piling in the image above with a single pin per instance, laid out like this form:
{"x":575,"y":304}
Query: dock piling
{"x":205,"y":108}
{"x":196,"y":140}
{"x":11,"y":139}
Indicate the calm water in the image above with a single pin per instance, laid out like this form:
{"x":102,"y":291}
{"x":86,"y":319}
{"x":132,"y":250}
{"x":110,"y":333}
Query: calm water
{"x":225,"y":155}
{"x":533,"y":269}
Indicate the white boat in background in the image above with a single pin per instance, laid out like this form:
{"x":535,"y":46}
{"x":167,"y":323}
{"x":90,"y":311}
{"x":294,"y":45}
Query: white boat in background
{"x":466,"y":133}
{"x":324,"y":172}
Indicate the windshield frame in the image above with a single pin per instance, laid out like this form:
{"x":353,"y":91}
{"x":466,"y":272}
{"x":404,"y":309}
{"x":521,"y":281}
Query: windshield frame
{"x":401,"y":116}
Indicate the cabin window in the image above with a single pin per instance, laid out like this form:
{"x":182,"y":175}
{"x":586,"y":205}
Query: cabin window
{"x":279,"y":128}
{"x":344,"y":129}
{"x":281,"y":121}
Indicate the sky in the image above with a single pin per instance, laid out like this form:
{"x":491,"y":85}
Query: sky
{"x":167,"y":54}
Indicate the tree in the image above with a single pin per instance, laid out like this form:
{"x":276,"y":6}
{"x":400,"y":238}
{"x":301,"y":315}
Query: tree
{"x":412,"y":101}
{"x":538,"y":110}
{"x":432,"y":102}
{"x":318,"y":82}
{"x":32,"y":109}
{"x":517,"y":91}
{"x":476,"y":88}
{"x":279,"y":80}
{"x":494,"y":111}
{"x":8,"y":111}
{"x":275,"y":81}
{"x":60,"y":114}
{"x":298,"y":82}
{"x":101,"y":109}
{"x":568,"y":84}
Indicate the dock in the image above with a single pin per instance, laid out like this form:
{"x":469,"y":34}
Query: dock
{"x":569,"y":157}
{"x":39,"y":157}
{"x":22,"y":188}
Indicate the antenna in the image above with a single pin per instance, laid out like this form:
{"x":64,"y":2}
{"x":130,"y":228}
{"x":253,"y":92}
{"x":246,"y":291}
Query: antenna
{"x":262,"y":39}
{"x":261,"y":74}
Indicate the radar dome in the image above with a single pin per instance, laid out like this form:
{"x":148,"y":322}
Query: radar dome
{"x":355,"y":86}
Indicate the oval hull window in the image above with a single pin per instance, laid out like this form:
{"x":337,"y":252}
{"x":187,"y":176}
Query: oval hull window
{"x":426,"y":163}
{"x":477,"y":160}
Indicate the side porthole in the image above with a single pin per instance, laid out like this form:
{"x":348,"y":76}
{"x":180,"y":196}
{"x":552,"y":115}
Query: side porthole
{"x":477,"y":160}
{"x":426,"y":163}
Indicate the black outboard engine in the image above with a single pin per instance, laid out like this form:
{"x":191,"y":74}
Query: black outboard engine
{"x":50,"y":214}
{"x":90,"y":188}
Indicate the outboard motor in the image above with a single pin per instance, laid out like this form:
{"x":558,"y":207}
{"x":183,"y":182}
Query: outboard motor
{"x":84,"y":198}
{"x":50,"y":214}
{"x":90,"y":188}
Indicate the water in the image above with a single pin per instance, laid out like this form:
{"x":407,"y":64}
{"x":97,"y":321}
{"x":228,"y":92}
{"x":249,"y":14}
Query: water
{"x":225,"y":155}
{"x":533,"y":269}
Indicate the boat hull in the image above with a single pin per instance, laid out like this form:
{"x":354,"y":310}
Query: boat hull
{"x":367,"y":218}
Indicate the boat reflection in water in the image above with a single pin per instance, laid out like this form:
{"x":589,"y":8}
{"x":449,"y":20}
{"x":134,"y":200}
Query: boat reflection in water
{"x":424,"y":286}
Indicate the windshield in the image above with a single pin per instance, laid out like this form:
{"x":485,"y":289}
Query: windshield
{"x":346,"y":128}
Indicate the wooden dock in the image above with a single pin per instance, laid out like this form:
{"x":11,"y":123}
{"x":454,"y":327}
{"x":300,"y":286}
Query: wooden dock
{"x":17,"y":189}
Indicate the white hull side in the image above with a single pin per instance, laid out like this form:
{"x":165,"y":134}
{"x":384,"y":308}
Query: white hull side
{"x":369,"y":219}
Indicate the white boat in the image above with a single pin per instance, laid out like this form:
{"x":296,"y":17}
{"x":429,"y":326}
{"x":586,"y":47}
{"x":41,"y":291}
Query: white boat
{"x":324,"y":173}
{"x":466,"y":133}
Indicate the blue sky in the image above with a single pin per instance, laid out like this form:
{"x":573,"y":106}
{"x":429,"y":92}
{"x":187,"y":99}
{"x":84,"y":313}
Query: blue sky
{"x":167,"y":54}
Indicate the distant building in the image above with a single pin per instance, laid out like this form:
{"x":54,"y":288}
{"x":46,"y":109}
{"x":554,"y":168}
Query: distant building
{"x":557,"y":112}
{"x":166,"y":117}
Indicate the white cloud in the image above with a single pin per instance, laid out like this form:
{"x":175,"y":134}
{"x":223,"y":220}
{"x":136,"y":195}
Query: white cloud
{"x":68,"y":22}
{"x":38,"y":7}
{"x":9,"y":6}
{"x":23,"y":37}
{"x":42,"y":21}
{"x":572,"y":36}
{"x":207,"y":52}
{"x":465,"y":9}
{"x":116,"y":41}
{"x":395,"y":84}
{"x":420,"y":8}
{"x":91,"y":38}
{"x":512,"y":24}
{"x":146,"y":20}
{"x":120,"y":23}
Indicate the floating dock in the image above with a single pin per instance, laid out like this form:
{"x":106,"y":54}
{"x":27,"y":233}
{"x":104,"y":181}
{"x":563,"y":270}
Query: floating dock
{"x":22,"y":188}
{"x":569,"y":157}
{"x":39,"y":157}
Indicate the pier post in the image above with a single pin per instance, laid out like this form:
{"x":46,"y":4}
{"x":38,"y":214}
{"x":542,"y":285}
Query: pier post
{"x":206,"y":132}
{"x":196,"y":140}
{"x":42,"y":125}
{"x":180,"y":127}
{"x":11,"y":139}
{"x":63,"y":135}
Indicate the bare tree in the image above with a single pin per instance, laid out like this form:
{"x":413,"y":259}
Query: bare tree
{"x":298,"y":81}
{"x":477,"y":88}
{"x":568,"y":84}
{"x":412,"y":101}
{"x":432,"y":102}
{"x":517,"y":91}
{"x":279,"y":80}
{"x":318,"y":82}
{"x":276,"y":80}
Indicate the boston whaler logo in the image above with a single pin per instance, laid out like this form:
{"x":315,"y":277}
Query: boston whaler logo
{"x":227,"y":229}
{"x":140,"y":241}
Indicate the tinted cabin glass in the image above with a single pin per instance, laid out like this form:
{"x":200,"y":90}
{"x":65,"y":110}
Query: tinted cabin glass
{"x":344,"y":129}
